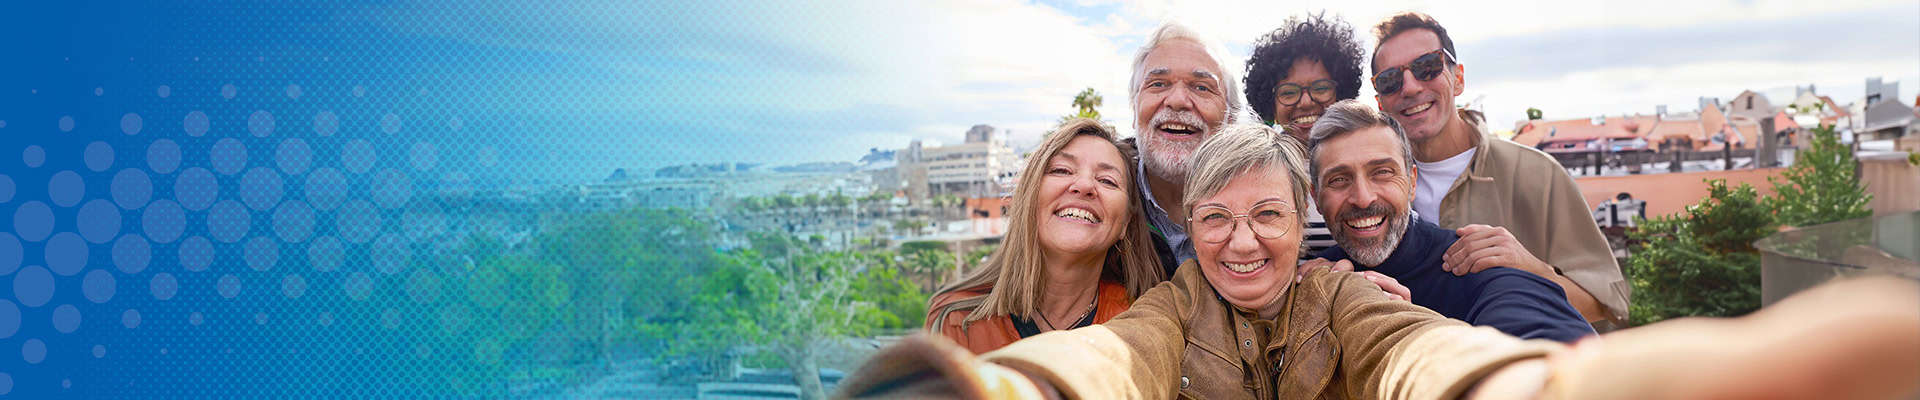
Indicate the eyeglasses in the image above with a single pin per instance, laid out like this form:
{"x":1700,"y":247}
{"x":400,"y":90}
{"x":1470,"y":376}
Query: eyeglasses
{"x":1215,"y":224}
{"x":1289,"y":94}
{"x":1424,"y":68}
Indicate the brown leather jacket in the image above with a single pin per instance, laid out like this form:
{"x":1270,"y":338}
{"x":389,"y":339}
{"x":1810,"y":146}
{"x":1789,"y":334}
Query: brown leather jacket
{"x":1338,"y":337}
{"x":947,"y":316}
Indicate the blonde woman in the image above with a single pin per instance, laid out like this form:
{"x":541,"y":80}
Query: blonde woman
{"x":1076,"y":251}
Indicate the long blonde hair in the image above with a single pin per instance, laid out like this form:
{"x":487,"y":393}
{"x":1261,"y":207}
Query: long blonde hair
{"x":1014,"y":272}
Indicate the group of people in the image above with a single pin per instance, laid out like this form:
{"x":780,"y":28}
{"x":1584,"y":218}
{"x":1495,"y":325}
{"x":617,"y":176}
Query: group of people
{"x":1331,"y":248}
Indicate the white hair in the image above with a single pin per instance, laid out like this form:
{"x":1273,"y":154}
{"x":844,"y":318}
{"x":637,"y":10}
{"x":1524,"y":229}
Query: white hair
{"x":1229,"y":78}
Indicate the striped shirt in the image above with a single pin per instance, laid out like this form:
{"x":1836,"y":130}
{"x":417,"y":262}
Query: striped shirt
{"x":1317,"y":237}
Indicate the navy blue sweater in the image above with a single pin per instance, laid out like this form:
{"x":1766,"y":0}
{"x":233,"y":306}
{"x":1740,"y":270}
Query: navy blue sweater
{"x":1516,"y":302}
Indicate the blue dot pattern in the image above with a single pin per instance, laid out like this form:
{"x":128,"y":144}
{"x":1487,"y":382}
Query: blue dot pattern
{"x":218,"y":199}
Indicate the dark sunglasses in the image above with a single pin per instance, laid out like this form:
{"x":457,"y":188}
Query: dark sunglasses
{"x":1289,"y":94}
{"x":1424,"y":68}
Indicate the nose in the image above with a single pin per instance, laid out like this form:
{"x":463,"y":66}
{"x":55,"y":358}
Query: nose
{"x":1242,"y":241}
{"x":1408,"y":84}
{"x":1179,"y":99}
{"x":1082,"y":185}
{"x":1362,"y":194}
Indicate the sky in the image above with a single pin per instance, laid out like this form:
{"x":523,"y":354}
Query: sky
{"x":880,"y":74}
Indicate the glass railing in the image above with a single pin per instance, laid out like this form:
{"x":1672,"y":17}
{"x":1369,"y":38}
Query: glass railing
{"x":1794,"y":260}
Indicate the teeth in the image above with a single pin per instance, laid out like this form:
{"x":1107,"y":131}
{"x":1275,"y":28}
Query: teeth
{"x":1076,"y":213}
{"x":1365,"y":223}
{"x":1244,"y":268}
{"x":1175,"y":126}
{"x":1307,"y":120}
{"x":1417,"y":109}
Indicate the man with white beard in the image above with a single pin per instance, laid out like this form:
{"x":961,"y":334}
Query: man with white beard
{"x":1180,"y":95}
{"x":1363,"y":182}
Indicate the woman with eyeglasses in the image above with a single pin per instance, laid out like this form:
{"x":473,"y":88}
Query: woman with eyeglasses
{"x":1235,"y":323}
{"x":1076,"y":252}
{"x":1294,"y":73}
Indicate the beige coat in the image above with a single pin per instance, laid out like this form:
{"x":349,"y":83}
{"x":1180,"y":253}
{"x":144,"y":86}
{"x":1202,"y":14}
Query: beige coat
{"x":1524,"y":190}
{"x":1338,"y":337}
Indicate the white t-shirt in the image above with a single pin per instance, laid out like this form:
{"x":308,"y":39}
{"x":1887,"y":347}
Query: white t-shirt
{"x":1435,"y":179}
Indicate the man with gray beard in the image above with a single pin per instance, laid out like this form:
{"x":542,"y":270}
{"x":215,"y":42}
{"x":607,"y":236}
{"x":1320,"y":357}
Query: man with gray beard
{"x":1180,"y":95}
{"x":1363,"y":181}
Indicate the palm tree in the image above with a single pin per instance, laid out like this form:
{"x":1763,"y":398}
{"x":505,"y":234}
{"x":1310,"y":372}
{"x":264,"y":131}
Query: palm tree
{"x":1085,"y":104}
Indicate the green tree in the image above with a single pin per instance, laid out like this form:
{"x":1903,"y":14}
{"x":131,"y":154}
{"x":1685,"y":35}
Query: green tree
{"x":781,"y":303}
{"x":902,"y":305}
{"x":1086,"y":104}
{"x":1701,"y":263}
{"x":928,"y":260}
{"x":1820,"y":186}
{"x":624,"y":266}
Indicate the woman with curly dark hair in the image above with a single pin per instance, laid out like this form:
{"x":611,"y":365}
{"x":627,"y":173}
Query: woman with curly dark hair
{"x":1295,"y":72}
{"x":1300,"y":68}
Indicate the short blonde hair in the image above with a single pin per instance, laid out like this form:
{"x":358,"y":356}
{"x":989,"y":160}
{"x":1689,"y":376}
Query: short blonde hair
{"x":1242,"y":148}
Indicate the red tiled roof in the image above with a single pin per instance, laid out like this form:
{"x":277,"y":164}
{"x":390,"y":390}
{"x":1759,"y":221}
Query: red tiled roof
{"x":1689,"y":129}
{"x":1533,"y":133}
{"x":1782,"y":121}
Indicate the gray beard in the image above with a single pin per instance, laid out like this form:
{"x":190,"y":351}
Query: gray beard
{"x":1371,"y":253}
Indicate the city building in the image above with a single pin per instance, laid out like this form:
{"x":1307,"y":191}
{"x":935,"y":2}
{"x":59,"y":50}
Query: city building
{"x":983,"y":166}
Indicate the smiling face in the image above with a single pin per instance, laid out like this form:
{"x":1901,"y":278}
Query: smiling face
{"x":1083,"y":198}
{"x":1365,"y":192}
{"x":1422,"y":107}
{"x":1248,"y":270}
{"x":1180,"y":102}
{"x":1299,"y":117}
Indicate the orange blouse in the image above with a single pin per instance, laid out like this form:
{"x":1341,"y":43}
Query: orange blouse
{"x":995,"y":332}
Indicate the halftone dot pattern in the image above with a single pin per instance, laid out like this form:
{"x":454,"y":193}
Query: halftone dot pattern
{"x":196,"y":253}
{"x":131,"y":188}
{"x":196,"y":188}
{"x":293,"y":156}
{"x":228,"y":221}
{"x":98,"y":156}
{"x":33,"y":221}
{"x":325,"y":253}
{"x":163,"y":287}
{"x":260,"y":188}
{"x":33,"y":286}
{"x":263,"y":211}
{"x":11,"y":253}
{"x":99,"y":286}
{"x":261,"y":253}
{"x":293,"y":221}
{"x":131,"y":124}
{"x":163,"y":156}
{"x":66,"y":253}
{"x":326,"y":188}
{"x":99,"y":220}
{"x":260,"y":123}
{"x":132,"y":253}
{"x":196,"y":124}
{"x":33,"y":156}
{"x":229,"y":156}
{"x":66,"y":318}
{"x":66,"y":188}
{"x":9,"y":319}
{"x":163,"y":221}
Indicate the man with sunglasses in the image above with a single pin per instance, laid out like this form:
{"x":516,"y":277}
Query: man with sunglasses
{"x":1512,"y":205}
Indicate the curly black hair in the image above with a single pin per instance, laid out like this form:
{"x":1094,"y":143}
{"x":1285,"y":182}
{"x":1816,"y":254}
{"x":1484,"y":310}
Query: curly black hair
{"x":1316,"y":37}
